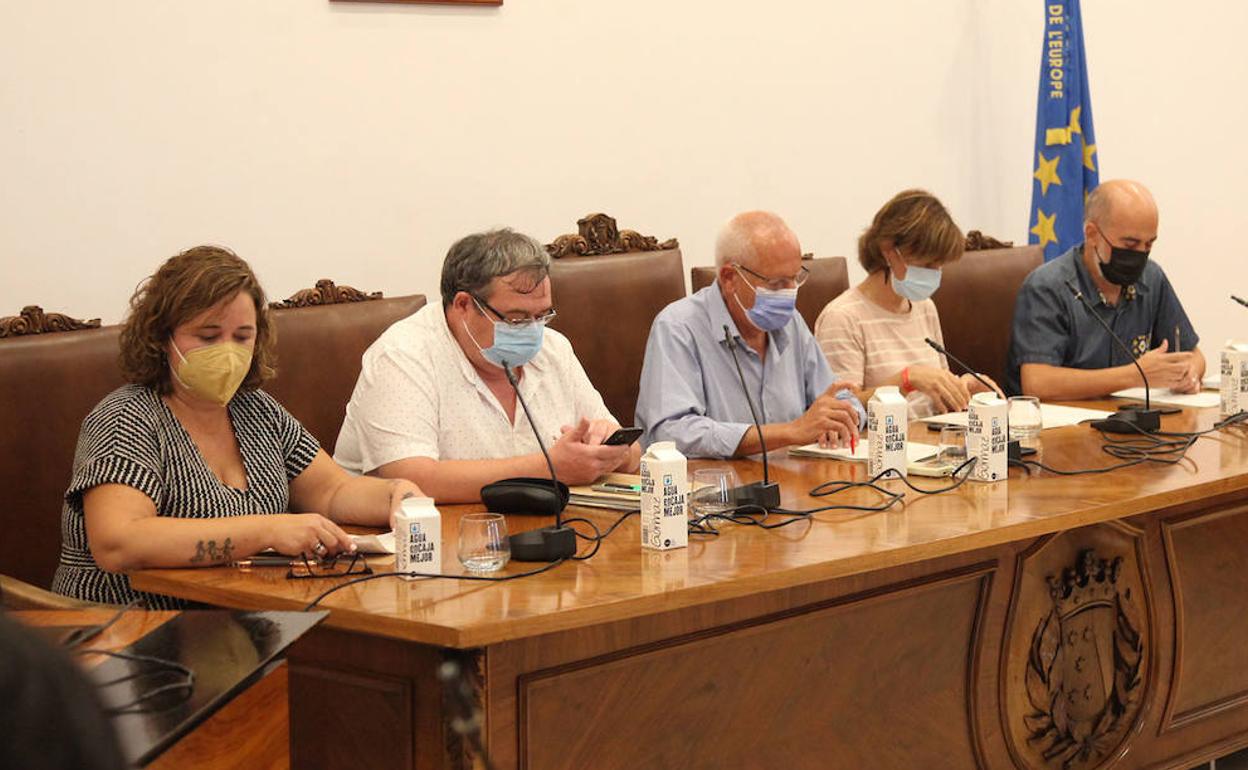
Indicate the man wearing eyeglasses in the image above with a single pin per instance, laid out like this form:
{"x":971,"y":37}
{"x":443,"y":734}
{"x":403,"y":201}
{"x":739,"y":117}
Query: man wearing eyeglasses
{"x":690,"y":390}
{"x":433,"y":403}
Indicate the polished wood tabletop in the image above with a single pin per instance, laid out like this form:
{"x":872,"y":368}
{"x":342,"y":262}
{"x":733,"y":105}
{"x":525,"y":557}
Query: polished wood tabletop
{"x":623,"y":581}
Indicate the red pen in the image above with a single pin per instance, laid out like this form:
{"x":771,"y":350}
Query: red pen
{"x":853,"y":444}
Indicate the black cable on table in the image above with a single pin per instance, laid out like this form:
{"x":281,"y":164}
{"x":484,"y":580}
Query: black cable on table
{"x":466,"y":576}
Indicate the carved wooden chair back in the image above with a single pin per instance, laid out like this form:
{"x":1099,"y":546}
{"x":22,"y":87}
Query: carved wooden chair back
{"x":608,"y":285}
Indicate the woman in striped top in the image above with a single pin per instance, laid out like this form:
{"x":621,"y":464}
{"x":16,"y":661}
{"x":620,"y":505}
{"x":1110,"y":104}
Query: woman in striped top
{"x":873,"y":334}
{"x":191,"y":464}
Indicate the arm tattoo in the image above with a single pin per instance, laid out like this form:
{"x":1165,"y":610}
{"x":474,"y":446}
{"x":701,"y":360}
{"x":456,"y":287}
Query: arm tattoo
{"x":212,"y":553}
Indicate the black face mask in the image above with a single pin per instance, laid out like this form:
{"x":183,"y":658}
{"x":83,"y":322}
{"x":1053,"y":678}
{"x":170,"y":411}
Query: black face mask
{"x":1124,"y":266}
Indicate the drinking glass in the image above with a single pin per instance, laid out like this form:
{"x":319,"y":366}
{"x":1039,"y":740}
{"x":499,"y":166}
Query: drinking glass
{"x":952,"y":447}
{"x":711,"y":491}
{"x":1025,"y":420}
{"x":483,"y":544}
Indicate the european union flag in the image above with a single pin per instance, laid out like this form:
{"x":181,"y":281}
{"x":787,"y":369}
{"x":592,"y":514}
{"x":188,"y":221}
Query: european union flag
{"x":1066,"y":159}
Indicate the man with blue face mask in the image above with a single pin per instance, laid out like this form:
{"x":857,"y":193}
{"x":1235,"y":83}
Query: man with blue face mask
{"x":690,"y":391}
{"x":433,"y":402}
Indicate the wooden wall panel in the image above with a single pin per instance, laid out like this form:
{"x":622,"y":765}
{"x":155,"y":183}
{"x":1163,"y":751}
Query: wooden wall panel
{"x":1206,"y":558}
{"x":746,"y":693}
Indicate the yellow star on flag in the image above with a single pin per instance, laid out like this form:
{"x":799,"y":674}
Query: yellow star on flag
{"x":1045,"y":228}
{"x":1063,"y":135}
{"x":1088,"y":151}
{"x":1046,"y":172}
{"x":1076,"y":127}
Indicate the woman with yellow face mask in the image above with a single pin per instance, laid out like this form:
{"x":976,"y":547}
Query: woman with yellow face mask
{"x":192,"y":464}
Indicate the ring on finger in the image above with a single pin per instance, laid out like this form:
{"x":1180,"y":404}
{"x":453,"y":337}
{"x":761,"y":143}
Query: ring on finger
{"x":319,"y":548}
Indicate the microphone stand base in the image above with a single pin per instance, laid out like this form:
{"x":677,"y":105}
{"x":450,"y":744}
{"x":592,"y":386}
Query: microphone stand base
{"x":1131,"y":421}
{"x":1015,"y":451}
{"x":545,"y":544}
{"x":761,"y":493}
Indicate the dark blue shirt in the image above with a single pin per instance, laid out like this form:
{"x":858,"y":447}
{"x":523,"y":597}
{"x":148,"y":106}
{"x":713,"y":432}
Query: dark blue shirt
{"x":1052,"y":327}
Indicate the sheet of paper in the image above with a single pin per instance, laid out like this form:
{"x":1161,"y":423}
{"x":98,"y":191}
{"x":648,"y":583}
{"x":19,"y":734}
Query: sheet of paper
{"x":1212,"y":381}
{"x":915,"y":451}
{"x":383,"y":543}
{"x":1166,"y":398}
{"x":1052,"y":416}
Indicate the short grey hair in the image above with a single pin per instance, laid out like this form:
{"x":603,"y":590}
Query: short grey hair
{"x":475,"y":260}
{"x":740,"y":237}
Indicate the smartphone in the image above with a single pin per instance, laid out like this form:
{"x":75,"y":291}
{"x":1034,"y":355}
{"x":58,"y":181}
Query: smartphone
{"x":624,"y":437}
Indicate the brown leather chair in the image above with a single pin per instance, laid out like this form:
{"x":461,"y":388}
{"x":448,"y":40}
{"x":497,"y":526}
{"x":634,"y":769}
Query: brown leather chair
{"x":829,"y":276}
{"x":321,"y":338}
{"x":976,"y":305}
{"x":608,"y":286}
{"x":49,"y":382}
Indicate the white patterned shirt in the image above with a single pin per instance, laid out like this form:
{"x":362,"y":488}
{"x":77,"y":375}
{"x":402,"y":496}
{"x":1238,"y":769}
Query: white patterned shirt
{"x":418,"y":395}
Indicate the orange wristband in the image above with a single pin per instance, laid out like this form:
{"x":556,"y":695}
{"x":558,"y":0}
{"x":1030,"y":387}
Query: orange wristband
{"x":906,"y":387}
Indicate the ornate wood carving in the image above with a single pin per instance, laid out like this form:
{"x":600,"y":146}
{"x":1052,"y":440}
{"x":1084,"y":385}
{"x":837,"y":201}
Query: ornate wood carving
{"x":463,"y":706}
{"x":326,"y":292}
{"x":977,"y":241}
{"x":598,"y":234}
{"x":32,"y":320}
{"x":1079,"y":648}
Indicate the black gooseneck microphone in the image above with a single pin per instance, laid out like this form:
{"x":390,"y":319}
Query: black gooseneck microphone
{"x":547,"y":543}
{"x":940,"y":349}
{"x":763,"y":493}
{"x":1015,"y":451}
{"x":1129,"y":419}
{"x":1243,"y":302}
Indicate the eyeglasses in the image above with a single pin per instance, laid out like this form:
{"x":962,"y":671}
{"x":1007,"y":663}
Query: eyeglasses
{"x":516,"y":318}
{"x":335,"y":566}
{"x":778,"y":284}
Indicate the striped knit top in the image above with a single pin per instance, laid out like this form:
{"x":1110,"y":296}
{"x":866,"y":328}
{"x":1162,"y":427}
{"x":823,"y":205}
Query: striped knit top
{"x":131,"y":437}
{"x":866,"y":344}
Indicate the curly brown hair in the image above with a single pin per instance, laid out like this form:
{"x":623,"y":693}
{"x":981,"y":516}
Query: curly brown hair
{"x":185,"y":286}
{"x":914,"y":220}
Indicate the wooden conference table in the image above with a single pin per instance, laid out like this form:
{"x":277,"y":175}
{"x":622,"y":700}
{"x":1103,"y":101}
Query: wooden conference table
{"x":1045,"y":622}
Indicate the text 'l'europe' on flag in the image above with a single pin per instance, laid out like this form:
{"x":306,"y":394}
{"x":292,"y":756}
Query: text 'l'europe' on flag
{"x":1066,"y":161}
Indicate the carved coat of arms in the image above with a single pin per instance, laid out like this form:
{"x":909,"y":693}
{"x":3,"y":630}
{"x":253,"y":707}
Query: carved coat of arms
{"x":1083,"y":670}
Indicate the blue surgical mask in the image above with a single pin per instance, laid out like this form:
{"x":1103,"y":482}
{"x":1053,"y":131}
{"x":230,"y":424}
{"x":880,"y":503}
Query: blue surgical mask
{"x":919,"y":283}
{"x":773,"y":308}
{"x":513,"y":345}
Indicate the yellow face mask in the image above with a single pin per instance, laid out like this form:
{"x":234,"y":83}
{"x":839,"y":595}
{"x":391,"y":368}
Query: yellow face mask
{"x":213,"y":372}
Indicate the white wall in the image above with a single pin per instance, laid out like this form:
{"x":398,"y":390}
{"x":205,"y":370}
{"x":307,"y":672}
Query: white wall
{"x":356,"y":142}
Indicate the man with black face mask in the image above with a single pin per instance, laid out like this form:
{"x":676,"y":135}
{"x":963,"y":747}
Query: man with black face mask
{"x":1058,"y":351}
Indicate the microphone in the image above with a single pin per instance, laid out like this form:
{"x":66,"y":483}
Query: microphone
{"x":939,"y":349}
{"x":763,"y":494}
{"x":548,"y":543}
{"x":1129,"y":419}
{"x":1015,"y":451}
{"x":1243,"y":302}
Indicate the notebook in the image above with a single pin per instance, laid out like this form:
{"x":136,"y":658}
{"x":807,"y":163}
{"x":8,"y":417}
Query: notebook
{"x":1163,"y":396}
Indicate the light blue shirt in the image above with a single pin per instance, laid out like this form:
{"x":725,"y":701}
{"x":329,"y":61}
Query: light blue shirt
{"x":690,"y":392}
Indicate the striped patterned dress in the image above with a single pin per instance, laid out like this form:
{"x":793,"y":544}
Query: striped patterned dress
{"x":131,"y":437}
{"x":866,"y":344}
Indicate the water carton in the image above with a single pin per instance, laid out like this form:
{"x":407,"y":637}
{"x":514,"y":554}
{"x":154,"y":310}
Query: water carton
{"x":1234,"y":378}
{"x":664,"y":497}
{"x":418,"y":537}
{"x":887,"y":424}
{"x":987,"y":437}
